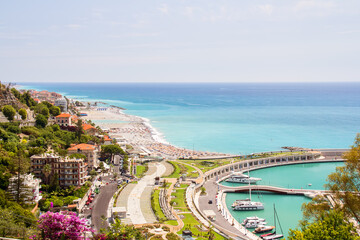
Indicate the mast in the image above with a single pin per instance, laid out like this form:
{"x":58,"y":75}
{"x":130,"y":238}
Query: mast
{"x":274,"y":219}
{"x":249,"y":184}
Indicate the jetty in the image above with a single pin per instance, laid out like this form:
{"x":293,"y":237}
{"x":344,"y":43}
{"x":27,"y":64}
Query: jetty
{"x":277,"y":190}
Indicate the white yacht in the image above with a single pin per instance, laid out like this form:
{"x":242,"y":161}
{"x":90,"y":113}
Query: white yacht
{"x":243,"y":205}
{"x":254,"y":224}
{"x":253,"y":218}
{"x":247,"y":204}
{"x":241,"y":178}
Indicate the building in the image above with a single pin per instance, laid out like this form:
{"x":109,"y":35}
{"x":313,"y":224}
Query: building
{"x":90,"y":151}
{"x":70,"y":171}
{"x":107,"y":140}
{"x":62,"y":104}
{"x":63,"y":119}
{"x":29,"y":188}
{"x":89,"y":129}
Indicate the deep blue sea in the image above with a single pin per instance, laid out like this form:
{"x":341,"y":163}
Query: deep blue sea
{"x":234,"y":118}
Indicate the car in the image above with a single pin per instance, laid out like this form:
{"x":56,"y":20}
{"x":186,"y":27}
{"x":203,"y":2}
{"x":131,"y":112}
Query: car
{"x":92,"y":195}
{"x":210,"y":201}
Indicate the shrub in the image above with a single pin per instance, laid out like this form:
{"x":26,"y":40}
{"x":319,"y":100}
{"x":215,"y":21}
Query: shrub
{"x":9,"y":112}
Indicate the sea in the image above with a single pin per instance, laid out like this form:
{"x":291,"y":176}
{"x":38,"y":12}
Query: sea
{"x":242,"y":118}
{"x":235,"y":118}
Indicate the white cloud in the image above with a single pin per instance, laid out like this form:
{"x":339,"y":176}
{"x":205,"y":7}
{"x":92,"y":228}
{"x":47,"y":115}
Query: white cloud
{"x":164,"y":9}
{"x":74,"y":26}
{"x":311,"y":4}
{"x":189,"y":11}
{"x":267,"y":9}
{"x":135,"y":34}
{"x":349,"y":32}
{"x":15,"y":36}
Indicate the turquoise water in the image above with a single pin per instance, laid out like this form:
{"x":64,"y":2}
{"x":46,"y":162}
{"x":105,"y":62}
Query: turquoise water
{"x":288,"y":207}
{"x":295,"y":176}
{"x":235,"y":118}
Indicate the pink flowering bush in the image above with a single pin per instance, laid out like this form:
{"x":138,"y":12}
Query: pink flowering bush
{"x":63,"y":225}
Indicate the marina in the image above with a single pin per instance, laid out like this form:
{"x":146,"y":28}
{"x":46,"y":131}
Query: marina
{"x":289,"y":205}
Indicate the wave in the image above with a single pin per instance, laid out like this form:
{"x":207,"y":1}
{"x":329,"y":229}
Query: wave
{"x":156,"y":135}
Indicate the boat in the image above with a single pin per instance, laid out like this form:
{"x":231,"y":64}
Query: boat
{"x":241,"y":178}
{"x":247,"y":204}
{"x":263,"y":229}
{"x":266,"y":234}
{"x":274,"y":235}
{"x":254,"y":224}
{"x":254,"y":218}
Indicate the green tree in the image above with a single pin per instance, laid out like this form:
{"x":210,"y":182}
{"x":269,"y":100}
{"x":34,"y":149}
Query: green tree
{"x":22,"y":166}
{"x":54,"y":110}
{"x":330,"y":225}
{"x":42,"y":109}
{"x":345,"y":182}
{"x":41,"y":121}
{"x":47,"y":171}
{"x":79,"y":129}
{"x":109,"y":151}
{"x":27,"y":99}
{"x":101,"y":166}
{"x":16,"y":93}
{"x":54,"y":183}
{"x":9,"y":112}
{"x":45,"y":112}
{"x":47,"y":104}
{"x":23,"y":113}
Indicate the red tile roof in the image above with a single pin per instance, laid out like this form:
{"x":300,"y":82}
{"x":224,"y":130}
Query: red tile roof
{"x":87,"y":126}
{"x":82,"y":146}
{"x":63,"y":115}
{"x":107,"y":138}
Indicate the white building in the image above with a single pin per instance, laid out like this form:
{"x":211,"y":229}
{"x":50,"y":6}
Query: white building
{"x":29,"y":189}
{"x":62,"y":104}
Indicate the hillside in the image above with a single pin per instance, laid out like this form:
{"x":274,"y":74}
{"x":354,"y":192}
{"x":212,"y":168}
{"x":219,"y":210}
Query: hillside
{"x":8,"y":98}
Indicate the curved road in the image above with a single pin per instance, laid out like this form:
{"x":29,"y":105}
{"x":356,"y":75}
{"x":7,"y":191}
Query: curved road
{"x":134,"y":203}
{"x":101,"y":203}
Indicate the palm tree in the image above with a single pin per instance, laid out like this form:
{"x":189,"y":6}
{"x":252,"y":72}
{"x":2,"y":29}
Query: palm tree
{"x":47,"y":170}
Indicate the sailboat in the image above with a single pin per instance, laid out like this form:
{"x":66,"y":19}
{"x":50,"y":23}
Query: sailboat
{"x":273,"y":235}
{"x":247,"y":204}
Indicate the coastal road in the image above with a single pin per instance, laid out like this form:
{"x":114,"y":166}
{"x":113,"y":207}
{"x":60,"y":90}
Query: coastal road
{"x":139,"y":200}
{"x":101,"y":203}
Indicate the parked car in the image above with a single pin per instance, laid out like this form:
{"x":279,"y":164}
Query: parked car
{"x":92,"y":195}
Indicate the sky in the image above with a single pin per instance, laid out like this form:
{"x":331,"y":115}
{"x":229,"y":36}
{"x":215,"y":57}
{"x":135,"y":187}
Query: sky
{"x":180,"y":41}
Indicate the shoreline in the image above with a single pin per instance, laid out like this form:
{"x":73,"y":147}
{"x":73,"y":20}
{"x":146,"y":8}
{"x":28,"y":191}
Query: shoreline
{"x":140,"y":134}
{"x":134,"y":130}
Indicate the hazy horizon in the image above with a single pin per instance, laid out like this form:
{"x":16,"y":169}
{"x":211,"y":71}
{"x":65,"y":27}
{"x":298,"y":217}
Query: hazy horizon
{"x":186,"y":41}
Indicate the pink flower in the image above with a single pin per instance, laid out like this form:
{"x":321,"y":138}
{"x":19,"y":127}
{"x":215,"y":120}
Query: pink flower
{"x":55,"y":225}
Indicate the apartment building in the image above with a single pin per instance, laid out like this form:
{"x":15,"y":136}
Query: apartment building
{"x":70,"y":171}
{"x":90,"y":151}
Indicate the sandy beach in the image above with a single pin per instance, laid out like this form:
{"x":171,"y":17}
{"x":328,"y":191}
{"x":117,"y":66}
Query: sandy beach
{"x":138,"y":132}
